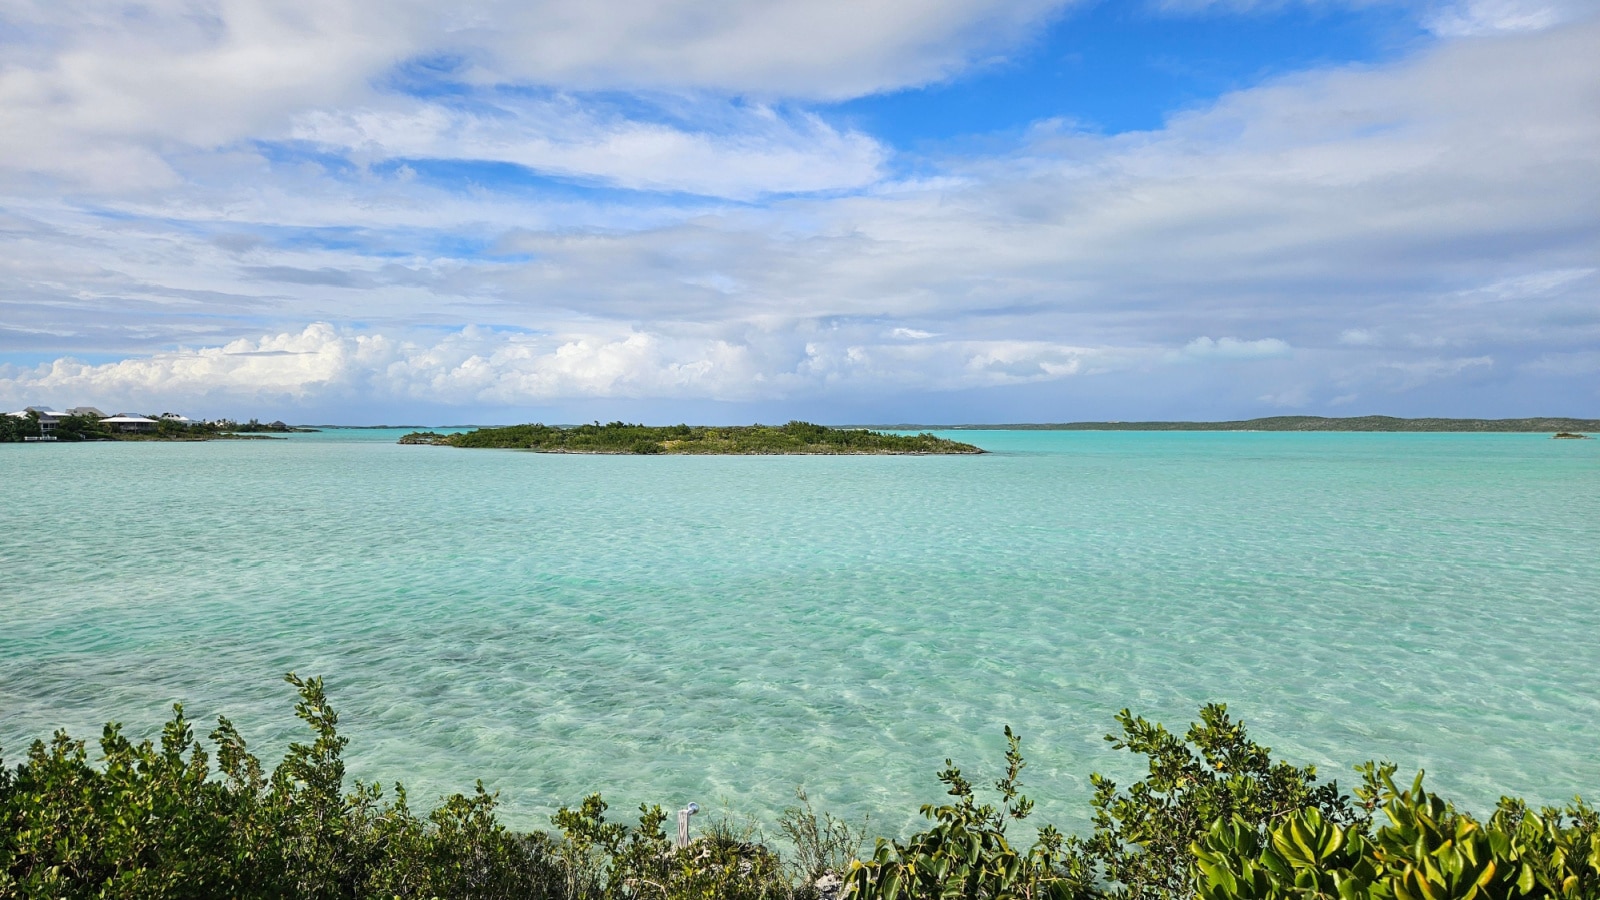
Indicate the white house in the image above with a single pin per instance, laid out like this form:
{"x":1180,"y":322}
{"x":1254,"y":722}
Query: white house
{"x":48,"y":418}
{"x":129,"y":424}
{"x":124,"y":423}
{"x":52,"y":418}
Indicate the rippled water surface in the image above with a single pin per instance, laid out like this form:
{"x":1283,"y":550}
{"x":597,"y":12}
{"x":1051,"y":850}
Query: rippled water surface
{"x":724,"y":629}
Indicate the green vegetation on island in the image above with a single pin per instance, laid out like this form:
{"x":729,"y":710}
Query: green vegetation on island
{"x":257,"y":427}
{"x":620,"y":437}
{"x":16,"y":428}
{"x":1214,"y":818}
{"x":1536,"y":425}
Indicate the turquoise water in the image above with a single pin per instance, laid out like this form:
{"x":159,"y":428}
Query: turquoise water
{"x":723,"y":629}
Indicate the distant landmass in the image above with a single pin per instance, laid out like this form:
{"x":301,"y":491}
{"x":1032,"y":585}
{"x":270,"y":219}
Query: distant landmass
{"x":1538,"y":425}
{"x":620,"y":437}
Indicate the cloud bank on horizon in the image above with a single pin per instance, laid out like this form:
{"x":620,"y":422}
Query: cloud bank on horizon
{"x":891,"y":211}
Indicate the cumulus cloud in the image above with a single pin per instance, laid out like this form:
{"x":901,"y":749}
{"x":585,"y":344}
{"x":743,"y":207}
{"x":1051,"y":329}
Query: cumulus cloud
{"x":484,"y":367}
{"x":1233,"y":348}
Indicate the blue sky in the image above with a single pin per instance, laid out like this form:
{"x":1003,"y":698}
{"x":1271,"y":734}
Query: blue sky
{"x":1114,"y":67}
{"x":930,"y":211}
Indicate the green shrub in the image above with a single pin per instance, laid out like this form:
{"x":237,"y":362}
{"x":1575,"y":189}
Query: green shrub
{"x":1427,"y":850}
{"x":1142,"y":835}
{"x":965,"y":854}
{"x":156,"y":822}
{"x":608,"y":861}
{"x":81,"y":428}
{"x":153,"y":823}
{"x":823,"y":845}
{"x":1215,"y":818}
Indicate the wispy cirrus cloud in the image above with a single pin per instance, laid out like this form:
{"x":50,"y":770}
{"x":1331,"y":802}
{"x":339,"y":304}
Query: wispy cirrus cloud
{"x":1480,"y":17}
{"x":1448,"y":18}
{"x":762,"y":150}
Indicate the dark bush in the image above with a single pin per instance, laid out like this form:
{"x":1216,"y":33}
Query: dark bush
{"x":1142,"y":834}
{"x":1215,"y":818}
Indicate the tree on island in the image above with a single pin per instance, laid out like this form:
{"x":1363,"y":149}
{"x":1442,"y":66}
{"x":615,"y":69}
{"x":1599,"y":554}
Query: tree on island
{"x":14,"y":429}
{"x":81,"y":428}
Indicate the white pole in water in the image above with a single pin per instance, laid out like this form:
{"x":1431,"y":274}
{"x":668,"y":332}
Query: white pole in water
{"x":683,"y":823}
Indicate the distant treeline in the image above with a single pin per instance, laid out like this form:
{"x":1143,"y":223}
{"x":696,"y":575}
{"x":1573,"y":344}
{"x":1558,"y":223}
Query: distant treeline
{"x":1537,"y":425}
{"x":1214,"y":818}
{"x":258,"y":427}
{"x":90,"y":428}
{"x":621,"y":437}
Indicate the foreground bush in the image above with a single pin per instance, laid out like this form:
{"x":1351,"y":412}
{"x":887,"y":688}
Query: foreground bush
{"x":1214,"y":818}
{"x":1426,"y":849}
{"x":156,"y":822}
{"x":966,"y":853}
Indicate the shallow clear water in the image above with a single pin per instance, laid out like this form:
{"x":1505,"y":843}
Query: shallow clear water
{"x":723,"y":629}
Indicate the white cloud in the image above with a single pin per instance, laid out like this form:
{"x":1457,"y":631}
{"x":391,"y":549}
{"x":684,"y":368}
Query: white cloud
{"x":482,"y":367}
{"x":1534,"y":284}
{"x":1447,"y":18}
{"x":1319,"y":212}
{"x":764,"y":152}
{"x":1566,"y":365}
{"x":830,"y":49}
{"x":1480,"y":17}
{"x":106,"y":96}
{"x":1234,"y":349}
{"x":1409,"y":374}
{"x":1292,"y":397}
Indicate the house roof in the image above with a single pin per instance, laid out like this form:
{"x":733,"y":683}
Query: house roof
{"x":128,"y":420}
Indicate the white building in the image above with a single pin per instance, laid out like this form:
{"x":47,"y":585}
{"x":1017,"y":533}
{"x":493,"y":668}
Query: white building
{"x":124,"y":423}
{"x":129,"y":424}
{"x":48,"y":418}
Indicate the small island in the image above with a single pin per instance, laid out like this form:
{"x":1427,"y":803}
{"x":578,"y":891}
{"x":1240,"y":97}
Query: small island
{"x":622,"y":438}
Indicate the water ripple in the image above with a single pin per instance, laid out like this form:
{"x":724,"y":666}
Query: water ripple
{"x":724,"y":629}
